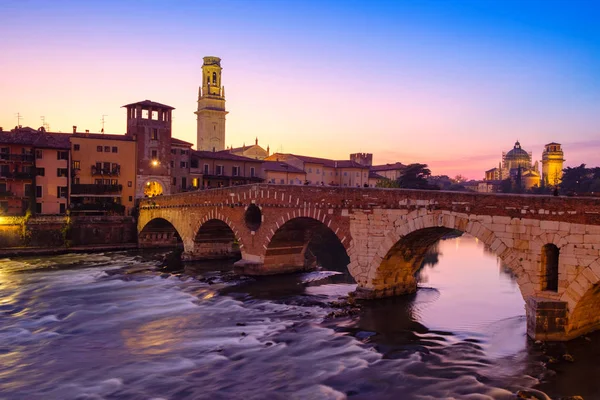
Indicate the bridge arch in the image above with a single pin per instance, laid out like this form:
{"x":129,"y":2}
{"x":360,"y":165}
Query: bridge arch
{"x":299,"y":243}
{"x":392,"y":269}
{"x":159,"y":232}
{"x":215,"y":238}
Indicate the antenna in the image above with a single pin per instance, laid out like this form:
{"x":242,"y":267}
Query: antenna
{"x":103,"y":115}
{"x":44,"y":124}
{"x":19,"y":118}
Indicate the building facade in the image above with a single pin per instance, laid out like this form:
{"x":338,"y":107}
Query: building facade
{"x":517,"y":165}
{"x":212,"y":169}
{"x":211,"y":112}
{"x":149,"y":125}
{"x":180,"y":165}
{"x":103,"y":173}
{"x":255,"y":151}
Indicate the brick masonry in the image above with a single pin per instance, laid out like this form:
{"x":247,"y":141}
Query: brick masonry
{"x":385,"y":233}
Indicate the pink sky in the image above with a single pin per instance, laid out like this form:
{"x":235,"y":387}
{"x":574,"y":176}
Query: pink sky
{"x":427,"y":92}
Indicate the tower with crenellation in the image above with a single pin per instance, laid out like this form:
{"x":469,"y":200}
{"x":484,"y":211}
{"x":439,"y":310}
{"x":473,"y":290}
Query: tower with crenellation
{"x":211,"y":107}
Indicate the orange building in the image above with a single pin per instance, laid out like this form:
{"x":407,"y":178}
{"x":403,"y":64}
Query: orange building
{"x":103,"y":173}
{"x":34,"y":172}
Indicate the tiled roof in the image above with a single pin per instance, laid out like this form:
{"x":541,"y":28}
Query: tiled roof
{"x":388,"y":167}
{"x":31,"y":137}
{"x":149,"y":104}
{"x":327,"y":162}
{"x":180,"y":142}
{"x":223,"y":155}
{"x":279,"y":166}
{"x":375,"y":175}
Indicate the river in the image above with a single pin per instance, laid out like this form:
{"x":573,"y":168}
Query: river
{"x":116,"y":326}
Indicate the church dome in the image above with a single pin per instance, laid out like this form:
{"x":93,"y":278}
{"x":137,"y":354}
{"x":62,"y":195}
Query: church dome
{"x":517,"y":157}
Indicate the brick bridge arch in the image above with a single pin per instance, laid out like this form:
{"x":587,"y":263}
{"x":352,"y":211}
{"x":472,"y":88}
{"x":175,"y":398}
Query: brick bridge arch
{"x":370,"y":222}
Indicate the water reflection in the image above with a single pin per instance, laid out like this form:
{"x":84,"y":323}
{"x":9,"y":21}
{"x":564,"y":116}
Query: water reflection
{"x":118,"y":326}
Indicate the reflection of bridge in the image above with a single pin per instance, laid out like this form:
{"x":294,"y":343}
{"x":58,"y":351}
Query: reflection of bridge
{"x":551,"y":244}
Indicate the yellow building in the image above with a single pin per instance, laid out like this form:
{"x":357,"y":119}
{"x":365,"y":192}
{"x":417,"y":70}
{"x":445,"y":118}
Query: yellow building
{"x":552,"y":164}
{"x":52,"y":173}
{"x":255,"y":151}
{"x":103,"y":173}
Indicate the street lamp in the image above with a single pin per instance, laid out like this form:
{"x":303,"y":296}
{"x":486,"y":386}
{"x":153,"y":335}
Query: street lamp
{"x":155,"y":163}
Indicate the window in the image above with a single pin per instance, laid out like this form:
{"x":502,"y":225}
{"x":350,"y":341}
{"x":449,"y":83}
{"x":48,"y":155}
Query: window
{"x":310,"y":170}
{"x":173,"y":151}
{"x":183,"y":182}
{"x":183,"y":164}
{"x":76,"y":181}
{"x":27,"y":189}
{"x":62,"y":208}
{"x":38,"y":191}
{"x":214,"y":78}
{"x":154,"y":135}
{"x":61,"y":172}
{"x":154,"y":115}
{"x":182,"y":152}
{"x":106,"y":167}
{"x":129,"y":184}
{"x":4,"y":151}
{"x":39,"y":154}
{"x":98,"y":181}
{"x":205,"y":169}
{"x":76,"y":164}
{"x":3,"y":170}
{"x":252,"y":172}
{"x":145,"y":114}
{"x":41,"y":172}
{"x":2,"y":187}
{"x":115,"y":149}
{"x":317,"y":170}
{"x":114,"y":182}
{"x":282,"y":181}
{"x":345,"y":173}
{"x":75,"y":147}
{"x":172,"y":164}
{"x":61,"y":192}
{"x":62,"y":155}
{"x":219,"y":170}
{"x":235,"y":171}
{"x":107,"y":149}
{"x":130,"y":198}
{"x":38,"y":208}
{"x":174,"y":181}
{"x":154,"y":154}
{"x":99,"y":149}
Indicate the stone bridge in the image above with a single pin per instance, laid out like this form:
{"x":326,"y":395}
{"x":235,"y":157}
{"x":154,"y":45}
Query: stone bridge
{"x":551,"y":244}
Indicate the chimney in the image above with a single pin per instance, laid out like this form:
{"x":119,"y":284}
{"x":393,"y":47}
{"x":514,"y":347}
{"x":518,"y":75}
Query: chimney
{"x":87,"y":131}
{"x":74,"y":128}
{"x":1,"y":129}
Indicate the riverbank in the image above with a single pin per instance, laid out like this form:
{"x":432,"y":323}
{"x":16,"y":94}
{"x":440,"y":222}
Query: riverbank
{"x":46,"y":251}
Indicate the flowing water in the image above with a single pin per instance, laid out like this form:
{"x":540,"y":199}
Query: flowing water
{"x":116,"y":326}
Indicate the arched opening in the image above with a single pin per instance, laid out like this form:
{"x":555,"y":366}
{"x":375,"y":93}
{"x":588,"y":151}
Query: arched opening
{"x":153,"y":188}
{"x":304,"y":244}
{"x":159,"y":233}
{"x":253,"y":217}
{"x":215,"y":240}
{"x":214,"y":78}
{"x":585,"y":317}
{"x":549,"y":263}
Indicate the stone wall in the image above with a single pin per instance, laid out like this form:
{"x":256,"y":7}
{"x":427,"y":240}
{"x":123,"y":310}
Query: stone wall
{"x":58,"y":231}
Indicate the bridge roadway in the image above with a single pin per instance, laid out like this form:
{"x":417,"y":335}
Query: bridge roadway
{"x":551,"y":244}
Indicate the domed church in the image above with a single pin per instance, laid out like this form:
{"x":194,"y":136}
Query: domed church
{"x":517,"y":165}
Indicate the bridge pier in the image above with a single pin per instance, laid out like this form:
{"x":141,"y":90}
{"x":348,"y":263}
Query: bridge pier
{"x":547,"y":319}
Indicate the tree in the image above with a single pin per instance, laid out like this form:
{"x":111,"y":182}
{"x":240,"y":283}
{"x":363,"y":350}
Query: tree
{"x":415,"y":176}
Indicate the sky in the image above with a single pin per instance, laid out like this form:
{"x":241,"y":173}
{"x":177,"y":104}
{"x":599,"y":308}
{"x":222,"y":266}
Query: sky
{"x":451,"y":84}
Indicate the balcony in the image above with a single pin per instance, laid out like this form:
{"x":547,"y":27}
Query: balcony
{"x":95,"y":190}
{"x":16,"y":157}
{"x":6,"y":193}
{"x":115,"y":171}
{"x":17,"y":175}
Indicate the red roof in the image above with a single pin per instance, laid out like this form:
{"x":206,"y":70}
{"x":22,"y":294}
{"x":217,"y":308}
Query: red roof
{"x":150,"y":104}
{"x":279,"y":166}
{"x":223,"y":155}
{"x":105,"y":136}
{"x":388,"y":167}
{"x":327,"y":162}
{"x":181,"y":142}
{"x":31,"y":137}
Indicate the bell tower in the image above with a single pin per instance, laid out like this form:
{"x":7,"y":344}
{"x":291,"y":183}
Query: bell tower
{"x":211,"y":107}
{"x":552,"y":164}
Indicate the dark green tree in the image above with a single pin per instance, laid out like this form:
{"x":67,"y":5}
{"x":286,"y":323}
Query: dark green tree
{"x":415,"y":176}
